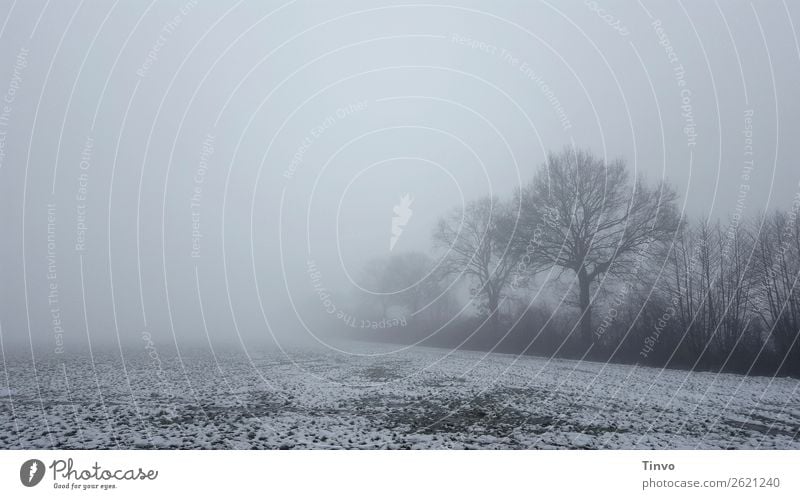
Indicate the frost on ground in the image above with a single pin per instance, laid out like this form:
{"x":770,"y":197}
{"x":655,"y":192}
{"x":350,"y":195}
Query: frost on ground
{"x":381,"y":396}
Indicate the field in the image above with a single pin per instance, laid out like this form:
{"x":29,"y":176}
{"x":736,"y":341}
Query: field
{"x":383,"y":397}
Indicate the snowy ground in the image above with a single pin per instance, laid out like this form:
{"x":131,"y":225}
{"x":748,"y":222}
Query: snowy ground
{"x":380,"y":398}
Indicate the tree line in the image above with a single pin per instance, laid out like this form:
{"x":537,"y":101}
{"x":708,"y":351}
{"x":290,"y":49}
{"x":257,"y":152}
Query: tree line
{"x":585,"y":261}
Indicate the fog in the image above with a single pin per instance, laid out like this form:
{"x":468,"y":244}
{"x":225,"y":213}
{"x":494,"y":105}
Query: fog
{"x":201,"y":170}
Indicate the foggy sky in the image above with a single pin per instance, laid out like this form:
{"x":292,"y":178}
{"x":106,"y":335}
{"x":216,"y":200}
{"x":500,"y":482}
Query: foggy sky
{"x":273,"y":134}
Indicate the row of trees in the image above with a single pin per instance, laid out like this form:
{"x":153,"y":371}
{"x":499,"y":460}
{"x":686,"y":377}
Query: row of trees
{"x":586,"y":261}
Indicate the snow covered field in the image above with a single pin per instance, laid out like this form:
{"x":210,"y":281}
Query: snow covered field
{"x":383,"y":396}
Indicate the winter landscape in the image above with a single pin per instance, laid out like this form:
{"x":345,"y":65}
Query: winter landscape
{"x":361,"y":224}
{"x":388,"y":397}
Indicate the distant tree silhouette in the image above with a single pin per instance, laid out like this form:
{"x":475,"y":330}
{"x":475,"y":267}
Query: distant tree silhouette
{"x":407,"y":280}
{"x":777,"y":268}
{"x":591,"y":219}
{"x":478,"y":246}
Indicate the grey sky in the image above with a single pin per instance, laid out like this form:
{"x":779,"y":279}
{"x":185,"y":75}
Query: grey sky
{"x":203,"y":102}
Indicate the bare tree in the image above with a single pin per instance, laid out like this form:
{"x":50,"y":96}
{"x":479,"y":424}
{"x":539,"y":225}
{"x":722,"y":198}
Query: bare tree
{"x":478,"y":245}
{"x":777,"y":265}
{"x":711,"y":286}
{"x":593,"y":220}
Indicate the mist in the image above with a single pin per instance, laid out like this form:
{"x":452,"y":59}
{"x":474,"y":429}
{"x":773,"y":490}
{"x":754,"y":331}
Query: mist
{"x":220,"y":174}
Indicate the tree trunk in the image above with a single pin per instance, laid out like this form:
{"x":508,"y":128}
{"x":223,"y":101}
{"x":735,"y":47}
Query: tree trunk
{"x":494,"y":313}
{"x":586,"y":306}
